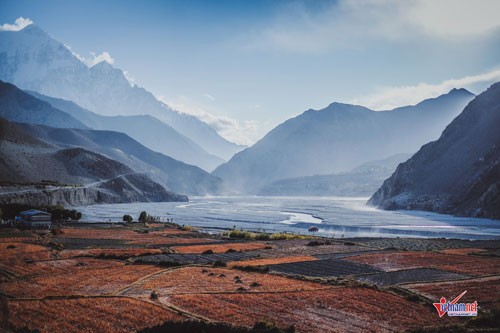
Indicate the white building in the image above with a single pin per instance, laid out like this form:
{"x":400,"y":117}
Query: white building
{"x":34,"y":218}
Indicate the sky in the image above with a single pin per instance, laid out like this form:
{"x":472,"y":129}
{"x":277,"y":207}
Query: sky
{"x":246,"y":66}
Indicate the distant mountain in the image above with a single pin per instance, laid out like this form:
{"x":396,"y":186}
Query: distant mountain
{"x":337,"y":139}
{"x":27,"y":159}
{"x":146,"y":129}
{"x":34,"y":61}
{"x":457,"y":174}
{"x":172,"y":174}
{"x":361,"y":181}
{"x":16,"y":105}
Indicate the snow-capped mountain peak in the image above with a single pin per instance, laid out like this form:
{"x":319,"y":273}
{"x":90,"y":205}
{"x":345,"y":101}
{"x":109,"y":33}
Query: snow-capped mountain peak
{"x":32,"y":60}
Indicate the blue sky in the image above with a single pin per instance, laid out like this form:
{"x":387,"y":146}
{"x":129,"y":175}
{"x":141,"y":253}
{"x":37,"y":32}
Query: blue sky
{"x":246,"y":66}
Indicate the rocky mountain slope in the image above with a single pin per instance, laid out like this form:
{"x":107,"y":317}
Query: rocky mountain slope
{"x":26,"y":159}
{"x":337,"y":139}
{"x":146,"y":129}
{"x":33,"y":60}
{"x":16,"y":105}
{"x":457,"y":174}
{"x":172,"y":174}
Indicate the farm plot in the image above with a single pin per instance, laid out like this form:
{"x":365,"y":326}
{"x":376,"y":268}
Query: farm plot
{"x":45,"y":267}
{"x":392,"y":261}
{"x":484,"y":290}
{"x":83,"y":243}
{"x":300,"y":248}
{"x":11,"y":252}
{"x":340,"y":255}
{"x":464,"y":251}
{"x":323,"y":268}
{"x":340,"y":309}
{"x":118,"y":232}
{"x":87,"y":315}
{"x":174,"y":259}
{"x":110,"y":253}
{"x":79,"y":280}
{"x":200,"y":280}
{"x":270,"y":261}
{"x":410,"y":276}
{"x":172,"y":241}
{"x":221,"y":248}
{"x":423,"y":244}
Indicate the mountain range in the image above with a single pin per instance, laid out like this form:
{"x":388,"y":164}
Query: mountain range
{"x":26,"y":159}
{"x":146,"y":129}
{"x":170,"y":173}
{"x":361,"y":181}
{"x":337,"y":139}
{"x":457,"y":174}
{"x":34,"y":61}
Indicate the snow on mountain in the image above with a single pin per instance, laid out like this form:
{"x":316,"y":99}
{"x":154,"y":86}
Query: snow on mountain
{"x":33,"y":60}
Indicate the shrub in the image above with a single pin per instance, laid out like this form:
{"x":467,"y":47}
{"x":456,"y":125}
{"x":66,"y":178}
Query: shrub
{"x":127,"y":218}
{"x":219,"y":263}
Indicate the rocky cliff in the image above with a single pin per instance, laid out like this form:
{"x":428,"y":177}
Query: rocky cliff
{"x":457,"y":174}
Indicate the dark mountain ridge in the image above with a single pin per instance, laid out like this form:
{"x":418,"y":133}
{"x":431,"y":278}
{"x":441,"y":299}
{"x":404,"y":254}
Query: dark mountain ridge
{"x":457,"y":174}
{"x":337,"y":139}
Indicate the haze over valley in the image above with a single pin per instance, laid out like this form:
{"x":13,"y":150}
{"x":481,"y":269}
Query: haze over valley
{"x":264,"y":166}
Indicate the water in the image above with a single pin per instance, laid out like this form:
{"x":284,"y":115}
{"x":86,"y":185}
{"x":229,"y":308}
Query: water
{"x":334,"y":217}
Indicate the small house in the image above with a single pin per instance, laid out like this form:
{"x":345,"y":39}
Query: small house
{"x":34,"y":218}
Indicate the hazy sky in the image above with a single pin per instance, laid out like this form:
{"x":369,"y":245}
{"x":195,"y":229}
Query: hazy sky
{"x":245,"y":66}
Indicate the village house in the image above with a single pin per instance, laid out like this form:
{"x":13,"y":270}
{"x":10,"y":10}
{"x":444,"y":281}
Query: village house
{"x":34,"y":218}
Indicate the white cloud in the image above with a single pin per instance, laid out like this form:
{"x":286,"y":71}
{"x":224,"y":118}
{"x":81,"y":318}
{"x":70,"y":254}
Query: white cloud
{"x":94,"y":59}
{"x":349,"y":23}
{"x":386,"y":98}
{"x":240,"y":132}
{"x":129,"y":78}
{"x":19,"y":24}
{"x":210,"y":97}
{"x":447,"y":18}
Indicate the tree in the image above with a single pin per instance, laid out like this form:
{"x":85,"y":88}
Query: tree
{"x":127,"y":218}
{"x":1,"y":214}
{"x":78,"y":216}
{"x":143,"y":217}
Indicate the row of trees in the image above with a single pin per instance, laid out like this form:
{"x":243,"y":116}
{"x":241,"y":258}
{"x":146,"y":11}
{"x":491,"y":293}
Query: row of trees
{"x":144,"y":217}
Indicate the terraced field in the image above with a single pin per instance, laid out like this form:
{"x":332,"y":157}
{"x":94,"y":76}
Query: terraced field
{"x":112,"y":278}
{"x":410,"y":276}
{"x":323,"y":268}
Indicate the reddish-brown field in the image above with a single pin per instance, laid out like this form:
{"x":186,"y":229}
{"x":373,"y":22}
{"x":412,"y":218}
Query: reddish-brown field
{"x":91,"y":286}
{"x":477,"y":266}
{"x":485,"y":290}
{"x":473,"y":265}
{"x":92,"y":279}
{"x":270,"y":261}
{"x":15,"y":251}
{"x":335,"y":310}
{"x":158,"y":237}
{"x":119,"y":233}
{"x":125,"y":252}
{"x":88,"y":315}
{"x":465,"y":251}
{"x":220,"y":248}
{"x":195,"y":280}
{"x":50,"y":267}
{"x":159,"y":240}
